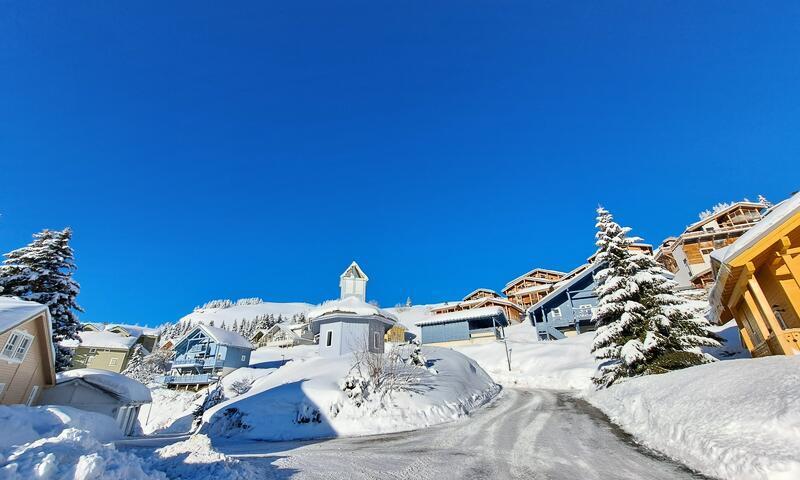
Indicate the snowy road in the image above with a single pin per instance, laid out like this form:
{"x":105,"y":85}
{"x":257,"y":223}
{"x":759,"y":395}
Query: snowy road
{"x":531,"y":434}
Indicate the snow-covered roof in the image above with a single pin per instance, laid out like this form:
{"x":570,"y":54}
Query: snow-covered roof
{"x":777,"y":216}
{"x":560,"y":287}
{"x":350,"y":306}
{"x":224,"y":337}
{"x":105,"y":339}
{"x":14,"y":311}
{"x":120,"y":386}
{"x":462,"y":315}
{"x":136,"y":330}
{"x":718,"y":214}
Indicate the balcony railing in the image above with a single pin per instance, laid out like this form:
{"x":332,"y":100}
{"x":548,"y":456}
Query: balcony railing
{"x":194,"y":362}
{"x":582,"y":313}
{"x":203,"y":378}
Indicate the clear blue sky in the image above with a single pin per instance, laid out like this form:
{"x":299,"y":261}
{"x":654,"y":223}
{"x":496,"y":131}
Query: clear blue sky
{"x":206,"y":150}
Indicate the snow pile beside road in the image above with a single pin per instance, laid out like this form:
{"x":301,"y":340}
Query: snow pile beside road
{"x":735,"y":419}
{"x":561,"y":364}
{"x":170,"y":411}
{"x":63,"y":442}
{"x":304,"y":400}
{"x":196,"y":459}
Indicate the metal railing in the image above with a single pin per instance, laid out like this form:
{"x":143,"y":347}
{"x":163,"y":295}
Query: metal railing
{"x":186,"y":379}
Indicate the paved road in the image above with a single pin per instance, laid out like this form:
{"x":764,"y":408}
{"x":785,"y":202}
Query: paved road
{"x":530,"y":434}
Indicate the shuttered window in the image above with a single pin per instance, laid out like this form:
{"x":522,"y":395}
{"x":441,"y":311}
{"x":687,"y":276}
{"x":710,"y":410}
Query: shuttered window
{"x":17,"y":346}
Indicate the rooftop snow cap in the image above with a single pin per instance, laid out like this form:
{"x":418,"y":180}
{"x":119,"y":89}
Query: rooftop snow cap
{"x":14,"y":310}
{"x":350,"y":306}
{"x":120,"y":386}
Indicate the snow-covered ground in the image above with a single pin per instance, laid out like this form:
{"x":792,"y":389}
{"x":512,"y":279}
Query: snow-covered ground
{"x":226,"y":316}
{"x":304,"y":399}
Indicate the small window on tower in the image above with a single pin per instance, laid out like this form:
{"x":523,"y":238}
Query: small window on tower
{"x":329,"y":339}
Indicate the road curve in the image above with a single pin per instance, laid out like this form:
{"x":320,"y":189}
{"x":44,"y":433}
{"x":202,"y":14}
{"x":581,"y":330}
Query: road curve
{"x":526,"y":434}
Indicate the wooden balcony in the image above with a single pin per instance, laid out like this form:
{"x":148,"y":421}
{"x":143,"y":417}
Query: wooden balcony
{"x":786,"y":342}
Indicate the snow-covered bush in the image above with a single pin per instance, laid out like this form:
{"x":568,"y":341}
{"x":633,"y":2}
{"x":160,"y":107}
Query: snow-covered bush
{"x":375,"y":375}
{"x":241,"y":386}
{"x":144,"y":368}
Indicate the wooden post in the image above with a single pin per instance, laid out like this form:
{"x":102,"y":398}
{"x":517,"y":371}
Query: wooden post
{"x":762,"y":326}
{"x":745,"y":336}
{"x":761,"y":299}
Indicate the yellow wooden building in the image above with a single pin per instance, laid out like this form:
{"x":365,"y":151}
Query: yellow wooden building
{"x":529,"y":288}
{"x":758,"y":282}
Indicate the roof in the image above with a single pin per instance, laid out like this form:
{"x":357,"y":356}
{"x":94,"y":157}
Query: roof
{"x":351,"y":306}
{"x":109,"y":340}
{"x":776,"y":217}
{"x":136,"y":330}
{"x":354,"y":271}
{"x":535,"y":288}
{"x":463,"y":315}
{"x":224,"y":337}
{"x":118,"y":385}
{"x":480,"y":290}
{"x":713,"y":216}
{"x":531,"y":274}
{"x":564,"y":286}
{"x":15,"y":311}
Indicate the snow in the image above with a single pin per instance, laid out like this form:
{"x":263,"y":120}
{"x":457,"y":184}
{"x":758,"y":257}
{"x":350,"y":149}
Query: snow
{"x":307,"y":387}
{"x":23,"y":424}
{"x":350,"y":306}
{"x":128,"y":389}
{"x":226,"y":316}
{"x":462,"y":315}
{"x":782,"y":212}
{"x":735,"y":419}
{"x":14,"y":310}
{"x":171,"y":411}
{"x":106,"y":340}
{"x":562,"y":364}
{"x":408,"y":317}
{"x":224,"y":337}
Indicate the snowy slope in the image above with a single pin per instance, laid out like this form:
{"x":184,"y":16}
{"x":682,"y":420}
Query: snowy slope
{"x":226,"y":316}
{"x":409,"y":316}
{"x":279,"y":405}
{"x":738,"y":419}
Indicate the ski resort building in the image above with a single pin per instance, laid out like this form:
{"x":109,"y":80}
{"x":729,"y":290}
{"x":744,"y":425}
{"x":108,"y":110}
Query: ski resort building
{"x":27,"y":358}
{"x":282,"y":335}
{"x":688,"y":255}
{"x":476,"y":325}
{"x":100,"y":391}
{"x":350,"y":325}
{"x":758,"y":283}
{"x":480,"y":298}
{"x":568,"y":308}
{"x":204,"y":355}
{"x":531,"y":287}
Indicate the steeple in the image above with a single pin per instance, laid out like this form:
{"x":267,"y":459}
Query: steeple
{"x":353,"y":282}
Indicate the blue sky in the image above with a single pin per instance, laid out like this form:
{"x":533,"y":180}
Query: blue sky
{"x":206,"y":150}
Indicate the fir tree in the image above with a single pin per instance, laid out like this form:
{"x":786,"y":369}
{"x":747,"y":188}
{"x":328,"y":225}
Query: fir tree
{"x":643,"y":327}
{"x":136,"y":367}
{"x":42,"y":272}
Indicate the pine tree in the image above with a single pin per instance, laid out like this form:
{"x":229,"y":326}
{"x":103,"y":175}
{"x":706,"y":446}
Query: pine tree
{"x":643,"y":327}
{"x":211,"y":323}
{"x":763,"y":200}
{"x":136,"y":367}
{"x":42,"y":272}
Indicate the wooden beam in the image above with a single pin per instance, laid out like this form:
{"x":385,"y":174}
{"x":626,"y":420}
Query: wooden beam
{"x":764,"y":305}
{"x":763,"y":328}
{"x":741,"y":285}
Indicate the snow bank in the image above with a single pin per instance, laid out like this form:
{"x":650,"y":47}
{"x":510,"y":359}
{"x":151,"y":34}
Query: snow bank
{"x":170,"y":412}
{"x":561,"y":364}
{"x":120,"y":385}
{"x":63,"y":442}
{"x":738,"y":419}
{"x":303,"y":400}
{"x":196,"y":459}
{"x":21,"y":424}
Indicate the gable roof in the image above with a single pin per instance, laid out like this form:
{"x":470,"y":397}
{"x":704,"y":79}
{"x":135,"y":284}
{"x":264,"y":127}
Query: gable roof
{"x":103,"y":339}
{"x":481,"y":290}
{"x":224,"y":337}
{"x":532,"y":274}
{"x":563,"y":286}
{"x":354,"y":271}
{"x":119,"y":386}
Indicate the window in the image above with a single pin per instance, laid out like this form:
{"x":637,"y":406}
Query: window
{"x":112,"y":362}
{"x":585,"y":306}
{"x":33,"y":395}
{"x":2,"y":389}
{"x":17,"y":346}
{"x":92,"y":351}
{"x":329,"y":339}
{"x":375,"y":340}
{"x":706,"y":251}
{"x":243,"y":358}
{"x":556,"y":312}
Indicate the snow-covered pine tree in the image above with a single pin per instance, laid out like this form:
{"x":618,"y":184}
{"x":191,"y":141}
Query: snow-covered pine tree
{"x":42,"y":272}
{"x":643,"y":327}
{"x":211,"y":323}
{"x":136,"y":367}
{"x":763,"y":201}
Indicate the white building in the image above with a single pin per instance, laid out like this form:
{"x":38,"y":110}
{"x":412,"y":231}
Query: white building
{"x":348,"y":325}
{"x":353,"y":283}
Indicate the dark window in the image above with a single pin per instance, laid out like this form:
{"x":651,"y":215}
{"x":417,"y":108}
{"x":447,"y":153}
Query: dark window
{"x":329,"y":339}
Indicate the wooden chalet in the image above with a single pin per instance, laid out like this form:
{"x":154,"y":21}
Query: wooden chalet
{"x":531,"y":287}
{"x":480,"y":298}
{"x":688,"y":255}
{"x":758,"y":283}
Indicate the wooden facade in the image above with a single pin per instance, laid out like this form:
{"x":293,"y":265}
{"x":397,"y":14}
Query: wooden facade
{"x":513,"y":312}
{"x":24,"y":375}
{"x":688,"y":255}
{"x":758,"y":284}
{"x":530,"y":288}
